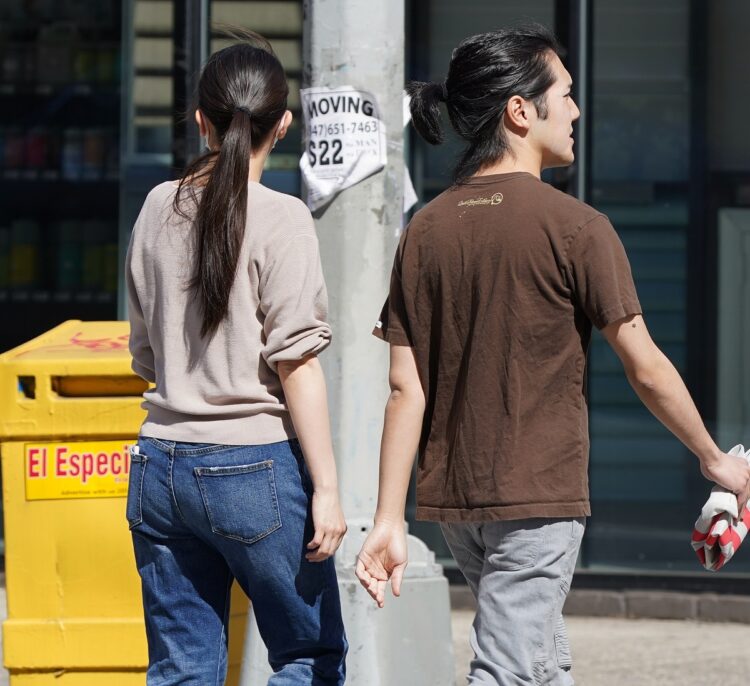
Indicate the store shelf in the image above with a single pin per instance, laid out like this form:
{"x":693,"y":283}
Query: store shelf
{"x":56,"y":89}
{"x":47,"y":297}
{"x":21,"y":179}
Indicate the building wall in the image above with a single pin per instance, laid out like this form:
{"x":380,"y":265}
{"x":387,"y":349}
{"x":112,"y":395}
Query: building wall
{"x":728,"y":85}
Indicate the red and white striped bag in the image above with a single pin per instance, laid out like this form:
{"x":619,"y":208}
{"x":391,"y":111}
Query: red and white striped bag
{"x":719,"y":532}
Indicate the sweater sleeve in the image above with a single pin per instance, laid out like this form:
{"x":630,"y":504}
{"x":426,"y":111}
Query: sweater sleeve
{"x":139,"y":343}
{"x":294,"y":300}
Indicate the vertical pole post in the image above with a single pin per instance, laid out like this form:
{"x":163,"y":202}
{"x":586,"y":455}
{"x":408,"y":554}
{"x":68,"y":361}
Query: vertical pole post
{"x":360,"y":43}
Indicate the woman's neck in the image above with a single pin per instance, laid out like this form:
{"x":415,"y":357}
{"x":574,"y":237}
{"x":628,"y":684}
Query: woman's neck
{"x":257,"y":162}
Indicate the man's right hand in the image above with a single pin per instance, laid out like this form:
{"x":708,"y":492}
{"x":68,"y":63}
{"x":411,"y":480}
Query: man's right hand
{"x":731,"y":472}
{"x":383,"y":557}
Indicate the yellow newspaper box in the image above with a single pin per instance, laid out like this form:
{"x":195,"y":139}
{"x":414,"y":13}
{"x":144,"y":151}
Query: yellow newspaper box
{"x":70,"y":407}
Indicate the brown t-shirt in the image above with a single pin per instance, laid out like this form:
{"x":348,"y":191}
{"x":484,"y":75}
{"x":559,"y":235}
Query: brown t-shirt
{"x":495,"y":285}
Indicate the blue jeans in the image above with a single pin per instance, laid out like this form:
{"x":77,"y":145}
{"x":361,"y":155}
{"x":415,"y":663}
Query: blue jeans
{"x":204,"y":515}
{"x":519,"y":572}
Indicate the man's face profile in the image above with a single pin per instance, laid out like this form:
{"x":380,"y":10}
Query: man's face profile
{"x":553,"y":135}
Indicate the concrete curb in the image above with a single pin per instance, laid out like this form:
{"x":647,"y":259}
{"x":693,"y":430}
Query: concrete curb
{"x":704,"y":607}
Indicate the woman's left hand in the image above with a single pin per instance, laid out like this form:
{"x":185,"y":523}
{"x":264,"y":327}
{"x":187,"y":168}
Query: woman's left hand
{"x":330,"y":525}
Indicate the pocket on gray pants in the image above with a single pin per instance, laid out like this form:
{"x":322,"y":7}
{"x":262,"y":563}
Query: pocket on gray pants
{"x":240,"y":501}
{"x":516,"y":550}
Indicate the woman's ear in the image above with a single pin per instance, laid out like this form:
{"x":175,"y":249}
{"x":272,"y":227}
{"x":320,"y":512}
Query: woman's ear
{"x":200,"y":120}
{"x":286,"y":122}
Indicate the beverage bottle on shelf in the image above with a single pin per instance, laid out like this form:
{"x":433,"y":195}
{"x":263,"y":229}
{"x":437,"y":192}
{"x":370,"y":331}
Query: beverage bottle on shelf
{"x":14,"y":153}
{"x":12,"y":67}
{"x":94,"y":143}
{"x":37,"y":143}
{"x":112,"y":156}
{"x":4,"y":258}
{"x":84,"y":64}
{"x":92,"y":253}
{"x":54,"y":51}
{"x":72,"y":154}
{"x":68,"y":267}
{"x":24,"y":254}
{"x":107,"y":64}
{"x":52,"y":161}
{"x":111,"y":261}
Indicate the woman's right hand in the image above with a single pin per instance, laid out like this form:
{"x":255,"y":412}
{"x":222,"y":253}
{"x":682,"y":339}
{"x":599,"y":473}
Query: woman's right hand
{"x":329,"y":523}
{"x":732,"y":473}
{"x":383,"y":557}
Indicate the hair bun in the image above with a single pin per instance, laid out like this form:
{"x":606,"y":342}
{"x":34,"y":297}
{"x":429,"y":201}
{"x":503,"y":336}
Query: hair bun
{"x":436,"y":91}
{"x":425,"y":109}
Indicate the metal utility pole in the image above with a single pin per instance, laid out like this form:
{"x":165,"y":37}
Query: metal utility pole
{"x":360,"y":44}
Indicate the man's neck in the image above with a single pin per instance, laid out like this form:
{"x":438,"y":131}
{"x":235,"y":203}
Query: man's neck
{"x":523,"y":160}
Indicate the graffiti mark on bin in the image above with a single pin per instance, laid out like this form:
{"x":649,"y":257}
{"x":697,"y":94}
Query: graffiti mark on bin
{"x":100,"y":344}
{"x":76,"y":342}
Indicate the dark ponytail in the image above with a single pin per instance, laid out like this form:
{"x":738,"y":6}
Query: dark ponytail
{"x":243,"y":93}
{"x":485,"y":71}
{"x":425,"y":109}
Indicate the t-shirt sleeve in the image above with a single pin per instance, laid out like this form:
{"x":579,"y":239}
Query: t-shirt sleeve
{"x":599,"y":274}
{"x":393,"y":325}
{"x":294,"y":300}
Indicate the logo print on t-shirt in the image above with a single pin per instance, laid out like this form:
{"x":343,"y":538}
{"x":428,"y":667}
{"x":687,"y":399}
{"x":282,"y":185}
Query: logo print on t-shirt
{"x":495,"y":199}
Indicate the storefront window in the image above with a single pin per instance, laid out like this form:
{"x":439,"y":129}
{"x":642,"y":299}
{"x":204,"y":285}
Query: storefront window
{"x":643,"y":481}
{"x":59,"y":163}
{"x":152,"y":61}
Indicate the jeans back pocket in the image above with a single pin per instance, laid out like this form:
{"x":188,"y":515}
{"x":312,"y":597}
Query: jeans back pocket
{"x":511,"y":548}
{"x":134,"y":505}
{"x":240,"y":501}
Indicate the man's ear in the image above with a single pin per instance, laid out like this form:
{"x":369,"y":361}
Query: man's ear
{"x":517,"y":112}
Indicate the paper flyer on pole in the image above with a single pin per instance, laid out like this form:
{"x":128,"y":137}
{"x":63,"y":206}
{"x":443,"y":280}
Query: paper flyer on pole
{"x":345,"y":141}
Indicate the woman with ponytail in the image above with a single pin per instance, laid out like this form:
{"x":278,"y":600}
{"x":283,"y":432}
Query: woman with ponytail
{"x":233,"y":475}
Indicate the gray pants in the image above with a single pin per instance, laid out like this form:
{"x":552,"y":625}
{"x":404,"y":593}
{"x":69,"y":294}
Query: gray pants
{"x":519,"y":571}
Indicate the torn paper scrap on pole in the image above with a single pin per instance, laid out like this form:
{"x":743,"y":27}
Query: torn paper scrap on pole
{"x":344,"y":141}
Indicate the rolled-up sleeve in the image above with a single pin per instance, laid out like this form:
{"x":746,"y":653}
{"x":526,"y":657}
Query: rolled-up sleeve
{"x":294,"y":301}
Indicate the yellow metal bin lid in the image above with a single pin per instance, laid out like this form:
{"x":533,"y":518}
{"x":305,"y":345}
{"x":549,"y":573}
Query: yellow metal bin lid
{"x":73,"y":381}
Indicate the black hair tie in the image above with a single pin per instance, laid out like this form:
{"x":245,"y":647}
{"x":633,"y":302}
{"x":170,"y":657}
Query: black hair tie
{"x":242,"y":108}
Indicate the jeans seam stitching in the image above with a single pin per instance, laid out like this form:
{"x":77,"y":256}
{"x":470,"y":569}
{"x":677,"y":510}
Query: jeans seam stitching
{"x":234,"y":469}
{"x":174,"y":495}
{"x":224,"y":624}
{"x":199,"y":452}
{"x":160,"y":444}
{"x":139,"y":502}
{"x":274,"y":497}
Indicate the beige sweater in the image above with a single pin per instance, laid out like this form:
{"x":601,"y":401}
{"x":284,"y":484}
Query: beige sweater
{"x":224,"y":390}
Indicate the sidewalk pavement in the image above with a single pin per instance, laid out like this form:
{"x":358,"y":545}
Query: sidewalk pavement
{"x":641,"y":652}
{"x":624,"y":652}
